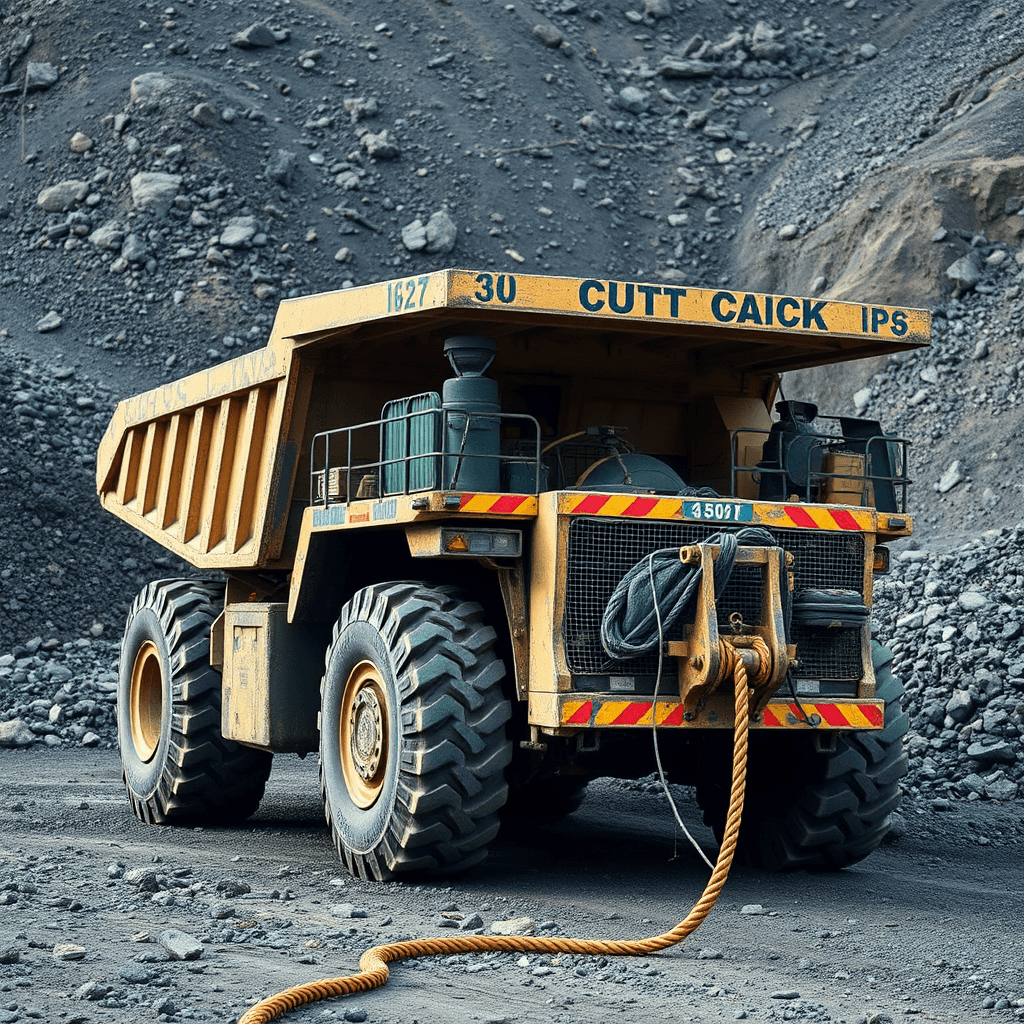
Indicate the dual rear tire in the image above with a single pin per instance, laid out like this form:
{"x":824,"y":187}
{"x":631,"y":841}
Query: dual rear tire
{"x":815,"y":810}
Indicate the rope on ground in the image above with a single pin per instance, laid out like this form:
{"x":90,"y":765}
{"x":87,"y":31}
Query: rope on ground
{"x":373,"y":964}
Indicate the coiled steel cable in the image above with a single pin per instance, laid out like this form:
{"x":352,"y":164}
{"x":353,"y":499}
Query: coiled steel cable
{"x":373,"y":964}
{"x":630,"y":626}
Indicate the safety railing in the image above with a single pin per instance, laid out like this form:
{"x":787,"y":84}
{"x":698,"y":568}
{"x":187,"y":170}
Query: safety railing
{"x":829,"y":467}
{"x":424,"y":448}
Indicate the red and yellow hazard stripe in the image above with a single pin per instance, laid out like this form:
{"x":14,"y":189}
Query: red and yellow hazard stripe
{"x":595,"y":712}
{"x":819,"y":517}
{"x":632,"y":506}
{"x":499,"y":504}
{"x":833,"y":716}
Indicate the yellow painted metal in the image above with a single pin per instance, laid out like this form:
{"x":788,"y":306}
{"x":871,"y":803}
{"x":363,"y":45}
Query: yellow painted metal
{"x":846,"y":330}
{"x":146,"y":701}
{"x":705,"y":666}
{"x":363,"y":735}
{"x":271,"y":670}
{"x":209,"y":465}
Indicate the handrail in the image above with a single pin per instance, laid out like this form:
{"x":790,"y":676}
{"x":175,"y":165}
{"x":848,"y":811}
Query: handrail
{"x":870,"y":476}
{"x":321,"y":466}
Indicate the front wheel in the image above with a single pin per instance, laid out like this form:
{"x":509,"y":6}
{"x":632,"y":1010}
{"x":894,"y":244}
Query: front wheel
{"x":815,"y":810}
{"x":177,"y":767}
{"x":413,"y":747}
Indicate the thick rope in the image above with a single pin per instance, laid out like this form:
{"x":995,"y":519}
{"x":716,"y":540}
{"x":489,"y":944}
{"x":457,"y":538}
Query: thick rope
{"x":373,"y":964}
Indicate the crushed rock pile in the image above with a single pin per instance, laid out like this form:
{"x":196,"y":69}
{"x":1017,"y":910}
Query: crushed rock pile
{"x":955,"y":621}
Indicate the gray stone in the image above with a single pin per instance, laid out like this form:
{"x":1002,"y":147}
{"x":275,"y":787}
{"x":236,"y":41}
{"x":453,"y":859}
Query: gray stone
{"x":63,"y":196}
{"x":708,"y":953}
{"x":50,"y":322}
{"x":515,"y":926}
{"x":974,"y":783}
{"x":635,"y":100}
{"x":868,"y":51}
{"x":960,"y":705}
{"x":108,"y":236}
{"x":548,"y":35}
{"x":145,"y":879}
{"x":788,"y":231}
{"x":15,"y":733}
{"x":81,"y":143}
{"x":205,"y":115}
{"x":233,"y":887}
{"x":69,"y":951}
{"x":134,"y":249}
{"x":972,"y":601}
{"x":999,"y":752}
{"x":254,"y":36}
{"x":239,"y":232}
{"x":153,"y":85}
{"x":40,"y":75}
{"x":471,"y":922}
{"x":380,"y":146}
{"x":180,"y":945}
{"x":658,"y":8}
{"x":754,"y":909}
{"x":154,"y":190}
{"x":862,"y":399}
{"x":674,"y":67}
{"x":967,"y":271}
{"x":358,"y":107}
{"x":786,"y":993}
{"x":92,"y":991}
{"x":348,"y":910}
{"x":281,"y":167}
{"x":1002,"y":789}
{"x":953,"y":476}
{"x":135,"y":974}
{"x":441,"y":232}
{"x":414,"y":236}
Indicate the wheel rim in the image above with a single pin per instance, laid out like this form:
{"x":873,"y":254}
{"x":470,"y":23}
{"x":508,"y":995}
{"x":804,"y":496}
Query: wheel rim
{"x":363,"y":734}
{"x":146,"y":701}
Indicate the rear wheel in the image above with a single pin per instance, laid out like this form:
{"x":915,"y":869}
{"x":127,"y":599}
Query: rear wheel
{"x":177,"y":767}
{"x":413,"y":747}
{"x":815,"y":810}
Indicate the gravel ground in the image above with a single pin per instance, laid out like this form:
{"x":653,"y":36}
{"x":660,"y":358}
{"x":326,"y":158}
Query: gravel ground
{"x":105,"y":919}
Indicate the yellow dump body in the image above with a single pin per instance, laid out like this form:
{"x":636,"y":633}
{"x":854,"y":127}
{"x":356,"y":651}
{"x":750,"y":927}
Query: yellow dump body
{"x":216,"y":466}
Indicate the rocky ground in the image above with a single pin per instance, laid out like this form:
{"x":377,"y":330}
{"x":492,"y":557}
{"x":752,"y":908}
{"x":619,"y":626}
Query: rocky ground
{"x":103,"y":919}
{"x":170,"y":172}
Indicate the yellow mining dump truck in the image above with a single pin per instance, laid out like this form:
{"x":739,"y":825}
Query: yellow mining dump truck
{"x":472,"y":595}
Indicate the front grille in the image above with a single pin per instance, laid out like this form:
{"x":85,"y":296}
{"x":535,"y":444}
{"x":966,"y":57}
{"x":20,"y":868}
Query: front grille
{"x":602,"y":550}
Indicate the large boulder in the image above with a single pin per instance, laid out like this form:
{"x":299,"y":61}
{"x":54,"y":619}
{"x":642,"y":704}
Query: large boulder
{"x":154,"y":190}
{"x":63,"y":196}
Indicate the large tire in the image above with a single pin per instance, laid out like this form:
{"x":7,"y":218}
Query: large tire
{"x":810,"y":810}
{"x":413,"y":747}
{"x":177,"y":767}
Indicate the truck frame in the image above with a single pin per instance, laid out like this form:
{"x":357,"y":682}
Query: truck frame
{"x":470,"y":596}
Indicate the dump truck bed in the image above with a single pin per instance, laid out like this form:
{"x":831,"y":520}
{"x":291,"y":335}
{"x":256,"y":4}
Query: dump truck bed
{"x":210,"y":466}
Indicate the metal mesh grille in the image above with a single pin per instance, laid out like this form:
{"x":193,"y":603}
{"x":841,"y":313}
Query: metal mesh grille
{"x":829,"y":654}
{"x":602,"y":550}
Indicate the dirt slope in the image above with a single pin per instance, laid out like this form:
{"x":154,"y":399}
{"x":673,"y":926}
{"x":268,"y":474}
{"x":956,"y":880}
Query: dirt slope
{"x":673,"y":139}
